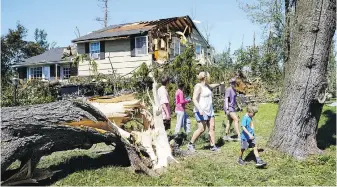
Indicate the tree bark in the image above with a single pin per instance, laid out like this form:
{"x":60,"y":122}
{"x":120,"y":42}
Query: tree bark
{"x":161,"y":141}
{"x":286,"y":44}
{"x":30,"y":132}
{"x":305,"y":78}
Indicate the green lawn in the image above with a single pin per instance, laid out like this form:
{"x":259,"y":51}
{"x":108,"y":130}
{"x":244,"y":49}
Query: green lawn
{"x":87,"y":168}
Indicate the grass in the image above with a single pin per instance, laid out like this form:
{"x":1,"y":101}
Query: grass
{"x":87,"y":168}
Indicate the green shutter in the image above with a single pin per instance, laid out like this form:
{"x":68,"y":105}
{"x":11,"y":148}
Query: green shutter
{"x":133,"y":46}
{"x":86,"y":48}
{"x":102,"y":50}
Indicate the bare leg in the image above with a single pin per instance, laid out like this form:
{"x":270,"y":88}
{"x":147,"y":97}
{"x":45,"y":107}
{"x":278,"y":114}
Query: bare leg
{"x":199,"y":131}
{"x":256,"y":152}
{"x":211,"y":130}
{"x":228,"y":124}
{"x":236,"y":122}
{"x":241,"y":153}
{"x":241,"y":161}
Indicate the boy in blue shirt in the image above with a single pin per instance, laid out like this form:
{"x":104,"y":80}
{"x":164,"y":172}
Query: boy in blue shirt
{"x":248,"y":136}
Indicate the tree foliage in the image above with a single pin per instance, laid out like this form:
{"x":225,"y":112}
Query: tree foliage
{"x":267,"y":13}
{"x":266,"y":60}
{"x":40,"y":37}
{"x":14,"y":48}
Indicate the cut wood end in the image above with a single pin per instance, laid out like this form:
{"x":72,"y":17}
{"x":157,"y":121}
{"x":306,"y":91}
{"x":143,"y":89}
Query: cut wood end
{"x":102,"y":125}
{"x":111,"y":99}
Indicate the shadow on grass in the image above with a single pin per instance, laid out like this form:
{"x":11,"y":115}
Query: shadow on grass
{"x":251,"y":156}
{"x":219,"y":143}
{"x":325,"y":135}
{"x":116,"y":158}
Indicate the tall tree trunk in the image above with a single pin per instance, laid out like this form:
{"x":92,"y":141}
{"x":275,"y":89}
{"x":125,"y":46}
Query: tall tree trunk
{"x":305,"y":78}
{"x":286,"y":45}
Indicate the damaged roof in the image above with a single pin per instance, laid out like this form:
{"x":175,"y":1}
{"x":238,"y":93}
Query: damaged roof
{"x":49,"y":57}
{"x":136,"y":28}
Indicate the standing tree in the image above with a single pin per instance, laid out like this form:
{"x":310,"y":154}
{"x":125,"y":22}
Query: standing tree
{"x":270,"y":15}
{"x":105,"y":10}
{"x":207,"y":28}
{"x":305,"y":78}
{"x":14,"y":48}
{"x":332,"y":69}
{"x":40,"y":37}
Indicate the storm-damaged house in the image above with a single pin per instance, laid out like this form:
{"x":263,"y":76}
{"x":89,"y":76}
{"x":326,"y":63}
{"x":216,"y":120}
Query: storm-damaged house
{"x":124,"y":47}
{"x":54,"y":64}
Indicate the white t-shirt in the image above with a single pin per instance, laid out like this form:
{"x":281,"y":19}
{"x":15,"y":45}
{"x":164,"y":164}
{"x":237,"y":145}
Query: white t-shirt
{"x":164,"y":99}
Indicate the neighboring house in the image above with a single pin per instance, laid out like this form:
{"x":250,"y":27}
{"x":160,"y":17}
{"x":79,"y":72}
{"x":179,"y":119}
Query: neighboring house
{"x":54,"y":64}
{"x":122,"y":48}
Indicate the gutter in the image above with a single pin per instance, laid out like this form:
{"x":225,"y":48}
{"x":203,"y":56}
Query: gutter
{"x":101,"y":39}
{"x":39,"y":63}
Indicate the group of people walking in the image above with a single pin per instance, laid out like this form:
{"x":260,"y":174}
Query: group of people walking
{"x":204,"y":115}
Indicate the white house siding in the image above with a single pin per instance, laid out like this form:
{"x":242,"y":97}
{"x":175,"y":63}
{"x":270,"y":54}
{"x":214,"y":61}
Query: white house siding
{"x":121,"y":60}
{"x":196,"y":38}
{"x":80,"y":48}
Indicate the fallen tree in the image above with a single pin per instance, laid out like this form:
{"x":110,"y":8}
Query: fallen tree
{"x":30,"y":132}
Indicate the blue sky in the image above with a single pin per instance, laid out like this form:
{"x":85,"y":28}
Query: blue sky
{"x":59,"y":18}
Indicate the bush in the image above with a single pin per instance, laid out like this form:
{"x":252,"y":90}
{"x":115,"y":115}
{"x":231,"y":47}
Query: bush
{"x":32,"y":92}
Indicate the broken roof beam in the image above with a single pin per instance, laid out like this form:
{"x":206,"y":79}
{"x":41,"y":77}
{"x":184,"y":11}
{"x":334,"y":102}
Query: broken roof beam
{"x":175,"y":26}
{"x":186,"y":22}
{"x":164,"y":22}
{"x":180,"y":24}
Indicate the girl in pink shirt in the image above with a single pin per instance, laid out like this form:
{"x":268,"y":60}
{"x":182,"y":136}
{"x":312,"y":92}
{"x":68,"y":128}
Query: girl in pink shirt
{"x":182,"y":117}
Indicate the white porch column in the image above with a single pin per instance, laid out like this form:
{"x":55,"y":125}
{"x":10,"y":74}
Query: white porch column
{"x":55,"y":71}
{"x":61,"y":72}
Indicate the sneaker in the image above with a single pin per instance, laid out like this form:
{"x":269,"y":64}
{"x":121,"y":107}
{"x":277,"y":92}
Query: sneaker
{"x":190,"y":147}
{"x":230,"y":138}
{"x":225,"y":138}
{"x":241,"y":162}
{"x":237,"y":139}
{"x":215,"y":148}
{"x":261,"y":163}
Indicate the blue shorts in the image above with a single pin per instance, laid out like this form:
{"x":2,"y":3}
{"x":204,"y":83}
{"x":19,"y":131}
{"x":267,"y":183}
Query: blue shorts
{"x":199,"y":117}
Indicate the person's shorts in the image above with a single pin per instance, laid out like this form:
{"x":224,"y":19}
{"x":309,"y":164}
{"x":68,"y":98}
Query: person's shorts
{"x":167,"y":123}
{"x":204,"y":117}
{"x":247,"y":144}
{"x":231,"y":109}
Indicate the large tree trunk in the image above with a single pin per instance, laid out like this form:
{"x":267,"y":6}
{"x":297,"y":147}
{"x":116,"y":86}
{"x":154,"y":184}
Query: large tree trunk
{"x":305,"y":78}
{"x":30,"y":132}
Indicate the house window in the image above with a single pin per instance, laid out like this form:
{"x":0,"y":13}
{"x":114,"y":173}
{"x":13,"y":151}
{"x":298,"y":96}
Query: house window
{"x":94,"y":49}
{"x":141,"y":45}
{"x":66,"y":72}
{"x":176,"y":49}
{"x":198,"y":51}
{"x":36,"y":73}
